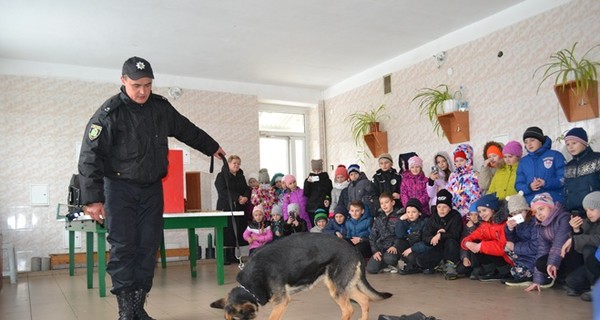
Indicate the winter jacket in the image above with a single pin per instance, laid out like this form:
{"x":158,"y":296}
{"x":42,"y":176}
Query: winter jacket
{"x":277,"y":226}
{"x":552,"y":234}
{"x":451,"y":223}
{"x":316,"y":192}
{"x":336,"y":192}
{"x":503,"y":182}
{"x":387,"y":181}
{"x":332,"y":227}
{"x":433,"y":187}
{"x":362,"y":189}
{"x":490,"y":234}
{"x":589,"y":235}
{"x":296,"y":196}
{"x":359,"y":228}
{"x":383,"y":232}
{"x":582,"y":176}
{"x":412,"y":231}
{"x":237,"y":187}
{"x":524,"y":236}
{"x":261,"y":233}
{"x":415,"y":187}
{"x":264,"y":194}
{"x":543,"y":163}
{"x":463,"y":183}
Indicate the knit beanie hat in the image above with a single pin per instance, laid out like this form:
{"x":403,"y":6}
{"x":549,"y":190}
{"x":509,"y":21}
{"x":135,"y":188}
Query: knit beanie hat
{"x":577,"y":134}
{"x":320,"y":214}
{"x":276,"y":177}
{"x":444,"y":196}
{"x":534,"y":132}
{"x":592,"y":200}
{"x":276,"y":210}
{"x":341,"y":171}
{"x":288,"y":179}
{"x":293,"y":207}
{"x":517,"y":202}
{"x":316,"y":164}
{"x":386,"y":156}
{"x":341,"y":209}
{"x":460,"y":154}
{"x":488,"y":201}
{"x":258,"y":207}
{"x":263,"y":176}
{"x":415,"y":161}
{"x":353,"y":168}
{"x":473,"y":207}
{"x":415,"y":203}
{"x":513,"y":147}
{"x":542,"y":199}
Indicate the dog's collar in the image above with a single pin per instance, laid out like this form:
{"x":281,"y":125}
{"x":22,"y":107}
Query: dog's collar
{"x":256,"y":300}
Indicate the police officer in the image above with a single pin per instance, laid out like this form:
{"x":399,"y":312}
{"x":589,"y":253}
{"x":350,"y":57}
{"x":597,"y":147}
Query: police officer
{"x":122,"y":162}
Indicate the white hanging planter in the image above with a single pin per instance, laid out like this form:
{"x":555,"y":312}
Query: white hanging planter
{"x":449,"y":105}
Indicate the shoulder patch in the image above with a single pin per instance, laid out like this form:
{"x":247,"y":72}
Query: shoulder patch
{"x":94,"y":132}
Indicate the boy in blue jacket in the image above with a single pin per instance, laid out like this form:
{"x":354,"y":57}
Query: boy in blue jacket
{"x":358,"y":228}
{"x":337,"y":225}
{"x":542,"y":169}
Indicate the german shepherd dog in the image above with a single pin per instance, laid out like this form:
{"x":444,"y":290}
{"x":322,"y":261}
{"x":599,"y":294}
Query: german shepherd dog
{"x":296,"y":263}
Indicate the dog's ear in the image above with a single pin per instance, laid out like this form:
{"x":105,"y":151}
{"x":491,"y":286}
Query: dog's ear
{"x":219,"y":304}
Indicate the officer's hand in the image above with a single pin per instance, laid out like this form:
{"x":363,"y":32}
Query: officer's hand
{"x":95,"y":211}
{"x":219,"y":153}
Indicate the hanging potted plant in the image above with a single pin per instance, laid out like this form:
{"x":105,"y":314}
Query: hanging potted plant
{"x":575,"y":82}
{"x":432,"y":101}
{"x":365,"y":125}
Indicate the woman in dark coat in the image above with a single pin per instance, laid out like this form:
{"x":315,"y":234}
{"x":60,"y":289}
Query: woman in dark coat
{"x":240,"y":194}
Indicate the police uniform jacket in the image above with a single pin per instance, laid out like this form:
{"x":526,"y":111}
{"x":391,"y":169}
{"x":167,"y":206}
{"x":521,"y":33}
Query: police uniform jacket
{"x":128,"y":141}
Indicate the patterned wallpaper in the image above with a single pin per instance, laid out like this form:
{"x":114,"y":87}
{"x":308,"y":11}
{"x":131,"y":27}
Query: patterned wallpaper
{"x":501,"y":91}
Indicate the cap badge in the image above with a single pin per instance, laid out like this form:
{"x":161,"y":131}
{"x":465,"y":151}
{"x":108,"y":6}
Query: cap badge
{"x":94,"y":132}
{"x":140,"y":65}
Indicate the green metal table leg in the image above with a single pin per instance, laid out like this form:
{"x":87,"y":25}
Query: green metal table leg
{"x":102,"y":263}
{"x":89,"y":255}
{"x":219,"y":255}
{"x":192,"y":250}
{"x":71,"y":253}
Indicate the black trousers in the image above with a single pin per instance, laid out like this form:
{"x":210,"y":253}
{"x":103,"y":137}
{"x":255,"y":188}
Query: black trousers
{"x":584,"y":276}
{"x":570,"y":262}
{"x":135,"y":227}
{"x":447,"y":250}
{"x":411,"y":259}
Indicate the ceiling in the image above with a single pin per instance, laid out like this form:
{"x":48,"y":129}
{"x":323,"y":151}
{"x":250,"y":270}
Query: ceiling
{"x":310,"y":44}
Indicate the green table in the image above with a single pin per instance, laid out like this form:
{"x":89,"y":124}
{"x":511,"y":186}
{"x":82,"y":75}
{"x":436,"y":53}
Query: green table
{"x":189,"y":221}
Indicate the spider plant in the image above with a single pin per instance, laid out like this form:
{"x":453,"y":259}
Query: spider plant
{"x":431,"y":101}
{"x":360,"y":122}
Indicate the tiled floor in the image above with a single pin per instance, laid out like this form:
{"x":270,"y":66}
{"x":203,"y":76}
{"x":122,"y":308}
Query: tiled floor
{"x":55,"y":295}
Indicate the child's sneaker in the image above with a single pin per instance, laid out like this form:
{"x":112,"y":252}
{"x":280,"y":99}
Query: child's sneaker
{"x":393,"y":269}
{"x":450,"y":271}
{"x":386,"y":269}
{"x":525,"y":282}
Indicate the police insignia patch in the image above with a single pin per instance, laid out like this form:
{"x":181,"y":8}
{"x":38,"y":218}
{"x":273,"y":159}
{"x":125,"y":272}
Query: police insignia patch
{"x":94,"y":131}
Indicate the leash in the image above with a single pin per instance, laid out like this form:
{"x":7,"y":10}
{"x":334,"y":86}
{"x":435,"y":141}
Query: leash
{"x":225,"y":172}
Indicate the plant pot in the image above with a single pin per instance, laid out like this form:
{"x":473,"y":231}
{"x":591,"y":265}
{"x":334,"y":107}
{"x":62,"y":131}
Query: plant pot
{"x":449,"y":105}
{"x":577,"y":107}
{"x":377,"y":142}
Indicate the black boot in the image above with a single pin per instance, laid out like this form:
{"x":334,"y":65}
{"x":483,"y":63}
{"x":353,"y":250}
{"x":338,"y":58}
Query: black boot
{"x":139,"y":299}
{"x":125,"y":301}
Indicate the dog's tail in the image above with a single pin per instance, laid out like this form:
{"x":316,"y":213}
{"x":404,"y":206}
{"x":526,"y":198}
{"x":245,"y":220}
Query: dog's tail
{"x":365,"y":287}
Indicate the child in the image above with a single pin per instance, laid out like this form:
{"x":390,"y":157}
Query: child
{"x":521,"y":241}
{"x":553,"y":231}
{"x":277,"y":222}
{"x":442,"y":232}
{"x":462,"y":183}
{"x":582,"y":173}
{"x":414,"y":184}
{"x":467,"y":258}
{"x":542,"y":169}
{"x":492,"y":161}
{"x":488,"y":240}
{"x":277,"y":185}
{"x":336,"y":226}
{"x":383,"y":237}
{"x":409,"y":231}
{"x":264,"y":194}
{"x":340,"y":182}
{"x":317,"y":189}
{"x":294,"y":195}
{"x":438,"y":178}
{"x":258,"y":233}
{"x":320,"y":221}
{"x":358,"y":228}
{"x":585,"y":240}
{"x":293,"y":223}
{"x":387,"y":179}
{"x":360,"y":189}
{"x":503,"y":182}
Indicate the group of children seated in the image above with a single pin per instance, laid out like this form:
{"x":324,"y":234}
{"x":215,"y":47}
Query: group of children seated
{"x":530,"y":221}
